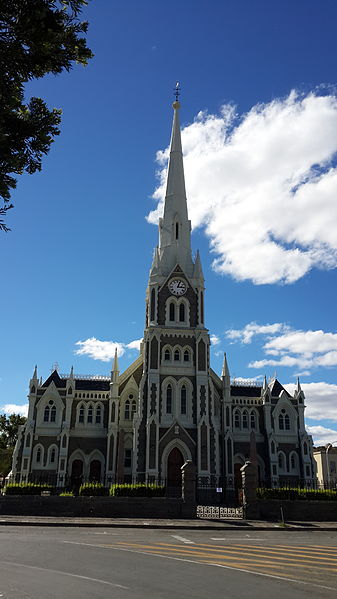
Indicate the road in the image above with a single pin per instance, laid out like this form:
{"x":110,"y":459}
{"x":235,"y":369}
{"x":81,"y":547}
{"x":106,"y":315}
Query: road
{"x":55,"y":563}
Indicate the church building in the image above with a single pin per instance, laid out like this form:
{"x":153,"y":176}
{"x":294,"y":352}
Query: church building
{"x":168,"y":406}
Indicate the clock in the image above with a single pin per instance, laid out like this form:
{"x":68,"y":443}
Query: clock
{"x":177,"y":286}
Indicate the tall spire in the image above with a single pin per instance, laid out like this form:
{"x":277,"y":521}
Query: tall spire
{"x":174,"y":227}
{"x":225,"y":369}
{"x":115,"y":370}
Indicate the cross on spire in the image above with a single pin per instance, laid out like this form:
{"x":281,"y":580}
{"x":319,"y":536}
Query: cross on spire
{"x":177,"y":91}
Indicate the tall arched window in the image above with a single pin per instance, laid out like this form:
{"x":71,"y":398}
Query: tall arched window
{"x":46,"y":414}
{"x":183,"y":400}
{"x":281,"y":463}
{"x":169,"y":399}
{"x":98,"y":415}
{"x":52,"y":456}
{"x":172,"y":314}
{"x":133,"y":408}
{"x":177,"y":230}
{"x":153,"y":303}
{"x":252,"y":420}
{"x":177,"y":355}
{"x":90,"y":414}
{"x":281,"y":422}
{"x":53,"y":414}
{"x":113,"y":412}
{"x":237,"y":419}
{"x":305,"y":449}
{"x":167,"y":355}
{"x":127,"y":410}
{"x":81,"y":415}
{"x":186,"y":355}
{"x":287,"y":422}
{"x":182,"y":312}
{"x":245,"y":419}
{"x":38,"y":455}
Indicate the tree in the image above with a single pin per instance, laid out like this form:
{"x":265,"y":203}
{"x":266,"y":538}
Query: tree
{"x":9,"y":429}
{"x":36,"y":37}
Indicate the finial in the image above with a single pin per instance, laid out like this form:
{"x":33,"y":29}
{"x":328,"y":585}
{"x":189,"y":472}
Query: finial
{"x":177,"y":91}
{"x":71,"y":373}
{"x":225,"y":369}
{"x":35,"y":373}
{"x":298,"y":389}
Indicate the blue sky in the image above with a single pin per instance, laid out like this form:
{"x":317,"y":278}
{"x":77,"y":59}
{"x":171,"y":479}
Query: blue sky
{"x":259,"y":118}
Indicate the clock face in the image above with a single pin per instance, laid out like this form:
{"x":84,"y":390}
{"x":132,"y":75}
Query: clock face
{"x":177,"y":287}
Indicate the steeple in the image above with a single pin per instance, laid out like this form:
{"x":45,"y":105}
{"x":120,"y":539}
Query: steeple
{"x":34,"y":377}
{"x":225,"y":369}
{"x":115,"y":371}
{"x":174,"y":227}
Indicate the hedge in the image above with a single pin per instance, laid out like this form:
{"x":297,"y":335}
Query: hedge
{"x":136,"y":490}
{"x":287,"y":493}
{"x":91,"y":489}
{"x":26,"y":488}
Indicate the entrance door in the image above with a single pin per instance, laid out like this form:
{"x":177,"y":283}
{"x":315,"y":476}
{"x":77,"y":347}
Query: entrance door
{"x":77,"y":474}
{"x":95,"y":471}
{"x":174,"y":463}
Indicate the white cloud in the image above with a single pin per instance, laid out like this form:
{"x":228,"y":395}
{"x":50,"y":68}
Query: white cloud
{"x":270,"y":186}
{"x":322,"y":435}
{"x":104,"y":350}
{"x":246,"y":334}
{"x":215,"y":340}
{"x":134,"y":344}
{"x":320,"y":400}
{"x":11,"y":408}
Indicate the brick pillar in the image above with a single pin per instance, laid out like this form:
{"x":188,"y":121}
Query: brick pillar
{"x":188,"y":489}
{"x":249,"y":483}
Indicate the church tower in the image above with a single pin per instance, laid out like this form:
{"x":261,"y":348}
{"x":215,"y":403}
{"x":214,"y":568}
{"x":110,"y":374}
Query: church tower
{"x":174,"y":422}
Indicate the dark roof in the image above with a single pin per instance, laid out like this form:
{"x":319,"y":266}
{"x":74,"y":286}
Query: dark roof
{"x":246,"y":390}
{"x":60,"y":383}
{"x":276,"y":389}
{"x":92,"y":385}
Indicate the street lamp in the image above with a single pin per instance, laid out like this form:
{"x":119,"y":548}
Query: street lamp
{"x":327,"y":448}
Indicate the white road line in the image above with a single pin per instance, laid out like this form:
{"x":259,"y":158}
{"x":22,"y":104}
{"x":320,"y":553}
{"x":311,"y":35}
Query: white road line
{"x":234,"y":539}
{"x":183,"y":540}
{"x":111,"y":584}
{"x":191,"y":561}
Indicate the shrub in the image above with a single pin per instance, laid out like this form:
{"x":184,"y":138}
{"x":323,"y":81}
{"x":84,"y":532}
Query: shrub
{"x":26,"y":488}
{"x":137,"y":490}
{"x":67,"y":494}
{"x":90,"y":489}
{"x":286,"y":493}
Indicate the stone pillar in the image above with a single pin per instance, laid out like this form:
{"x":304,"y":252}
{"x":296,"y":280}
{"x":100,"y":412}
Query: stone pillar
{"x":188,"y":489}
{"x":249,"y":481}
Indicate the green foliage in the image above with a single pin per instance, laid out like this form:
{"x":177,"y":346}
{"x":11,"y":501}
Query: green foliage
{"x":26,"y":488}
{"x":286,"y":493}
{"x":90,"y":489}
{"x":67,"y":494}
{"x":5,"y":461}
{"x":37,"y":37}
{"x":137,"y":490}
{"x":9,"y":428}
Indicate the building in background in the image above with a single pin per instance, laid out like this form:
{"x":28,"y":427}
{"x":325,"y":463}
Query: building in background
{"x":326,"y":464}
{"x":169,"y":406}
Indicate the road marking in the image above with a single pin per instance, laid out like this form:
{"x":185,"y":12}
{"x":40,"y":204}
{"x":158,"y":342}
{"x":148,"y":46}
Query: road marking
{"x":111,"y":584}
{"x":234,"y":539}
{"x":183,"y":540}
{"x":235,"y":569}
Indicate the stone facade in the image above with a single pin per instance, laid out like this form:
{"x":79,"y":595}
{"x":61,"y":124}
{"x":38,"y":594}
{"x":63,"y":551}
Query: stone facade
{"x":169,"y":407}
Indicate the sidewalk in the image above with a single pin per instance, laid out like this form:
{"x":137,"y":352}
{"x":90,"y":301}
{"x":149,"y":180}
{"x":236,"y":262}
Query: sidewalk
{"x":197,"y":524}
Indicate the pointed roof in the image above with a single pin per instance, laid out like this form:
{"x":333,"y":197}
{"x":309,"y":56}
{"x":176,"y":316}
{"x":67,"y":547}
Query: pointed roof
{"x":175,"y":186}
{"x":34,"y":377}
{"x":298,"y":386}
{"x":225,"y":369}
{"x":55,"y":377}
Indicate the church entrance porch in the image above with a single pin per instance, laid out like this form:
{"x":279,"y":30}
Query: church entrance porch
{"x":175,"y":461}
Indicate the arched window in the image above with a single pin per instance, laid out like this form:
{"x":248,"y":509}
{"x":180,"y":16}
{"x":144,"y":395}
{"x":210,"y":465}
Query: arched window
{"x":153,"y":300}
{"x":90,"y":414}
{"x":46,"y":414}
{"x":177,"y":355}
{"x":127,"y":410}
{"x":28,"y":440}
{"x":167,"y":355}
{"x":182,"y":312}
{"x":113,"y":412}
{"x":186,"y":355}
{"x":281,"y":422}
{"x":245,"y":419}
{"x":98,"y":415}
{"x":177,"y":230}
{"x":252,"y":420}
{"x":305,"y":449}
{"x":52,"y":456}
{"x":70,"y":391}
{"x":287,"y":422}
{"x":237,"y":419}
{"x":183,"y":397}
{"x":38,"y":455}
{"x":172,"y":314}
{"x":32,"y":389}
{"x":81,"y":414}
{"x":281,"y":463}
{"x":169,"y":399}
{"x":293,"y":461}
{"x":53,"y":414}
{"x":133,"y":408}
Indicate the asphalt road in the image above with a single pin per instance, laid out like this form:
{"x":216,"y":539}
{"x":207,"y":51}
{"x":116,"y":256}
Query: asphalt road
{"x":54,"y":563}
